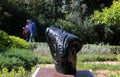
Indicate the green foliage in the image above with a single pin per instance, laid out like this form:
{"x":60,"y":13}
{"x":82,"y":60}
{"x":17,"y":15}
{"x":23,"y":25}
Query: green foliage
{"x":21,"y":72}
{"x":11,"y":41}
{"x":29,"y":9}
{"x":45,"y":59}
{"x":112,"y":34}
{"x":89,"y":53}
{"x":115,"y":49}
{"x":43,"y":52}
{"x":96,"y":57}
{"x":100,"y":49}
{"x":5,"y":41}
{"x":109,"y":15}
{"x":114,"y":75}
{"x":17,"y":42}
{"x":118,"y":57}
{"x":97,"y":66}
{"x":46,"y":12}
{"x":65,"y":25}
{"x":83,"y":29}
{"x":12,"y":58}
{"x":41,"y":11}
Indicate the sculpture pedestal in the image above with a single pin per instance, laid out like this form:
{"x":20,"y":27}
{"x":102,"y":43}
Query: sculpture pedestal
{"x":51,"y":72}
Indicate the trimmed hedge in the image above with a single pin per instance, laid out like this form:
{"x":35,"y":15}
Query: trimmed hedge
{"x":17,"y":42}
{"x":21,"y":72}
{"x":13,"y":58}
{"x":5,"y":41}
{"x":100,"y":49}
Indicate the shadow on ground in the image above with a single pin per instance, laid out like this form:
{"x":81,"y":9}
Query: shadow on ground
{"x":84,"y":73}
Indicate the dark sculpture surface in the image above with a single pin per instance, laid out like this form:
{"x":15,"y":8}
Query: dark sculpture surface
{"x":64,"y":46}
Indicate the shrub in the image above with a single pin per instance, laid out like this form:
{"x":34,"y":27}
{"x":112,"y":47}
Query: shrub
{"x":65,"y":25}
{"x":83,"y":29}
{"x":43,"y":52}
{"x":115,"y":49}
{"x":21,"y":72}
{"x":13,"y":58}
{"x":18,"y":42}
{"x":96,"y":57}
{"x":98,"y":66}
{"x":100,"y":49}
{"x":118,"y":57}
{"x":109,"y":15}
{"x":5,"y":41}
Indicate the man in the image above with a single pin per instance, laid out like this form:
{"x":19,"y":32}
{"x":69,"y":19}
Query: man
{"x":33,"y":31}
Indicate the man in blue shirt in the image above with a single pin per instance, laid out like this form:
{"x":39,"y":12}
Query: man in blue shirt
{"x":33,"y":31}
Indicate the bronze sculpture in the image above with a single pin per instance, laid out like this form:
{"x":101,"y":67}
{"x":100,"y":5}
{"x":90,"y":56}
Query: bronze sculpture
{"x":64,"y":46}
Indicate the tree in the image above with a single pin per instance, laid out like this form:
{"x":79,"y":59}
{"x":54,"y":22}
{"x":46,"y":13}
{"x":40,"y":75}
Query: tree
{"x":109,"y":15}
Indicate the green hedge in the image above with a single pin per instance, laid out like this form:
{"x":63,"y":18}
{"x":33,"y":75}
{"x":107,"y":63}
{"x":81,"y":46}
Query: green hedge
{"x":13,"y":58}
{"x":21,"y":72}
{"x":5,"y":41}
{"x":96,"y":57}
{"x":89,"y":53}
{"x":95,"y":66}
{"x":118,"y":57}
{"x":100,"y":49}
{"x":17,"y":42}
{"x":115,"y":49}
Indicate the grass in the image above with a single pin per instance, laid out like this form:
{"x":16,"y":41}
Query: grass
{"x":89,"y":53}
{"x":94,"y":66}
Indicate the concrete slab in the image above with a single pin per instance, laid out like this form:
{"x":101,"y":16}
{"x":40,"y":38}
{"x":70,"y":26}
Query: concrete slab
{"x":51,"y":72}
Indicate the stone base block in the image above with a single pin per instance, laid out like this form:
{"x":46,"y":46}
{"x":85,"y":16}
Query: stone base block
{"x":51,"y":72}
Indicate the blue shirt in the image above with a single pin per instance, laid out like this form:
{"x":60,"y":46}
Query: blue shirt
{"x":32,"y":27}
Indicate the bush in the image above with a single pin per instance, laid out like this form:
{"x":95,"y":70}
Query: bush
{"x":115,"y":49}
{"x":13,"y":58}
{"x":100,"y":49}
{"x":65,"y":25}
{"x":98,"y":66}
{"x":5,"y":41}
{"x":21,"y":72}
{"x":109,"y":15}
{"x":96,"y":57}
{"x":83,"y":29}
{"x":11,"y":41}
{"x":118,"y":57}
{"x":89,"y":53}
{"x":18,"y":42}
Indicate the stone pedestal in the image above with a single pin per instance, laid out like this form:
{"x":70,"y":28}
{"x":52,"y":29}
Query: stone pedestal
{"x":51,"y":72}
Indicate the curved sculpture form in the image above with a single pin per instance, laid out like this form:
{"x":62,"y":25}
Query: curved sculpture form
{"x":64,"y":47}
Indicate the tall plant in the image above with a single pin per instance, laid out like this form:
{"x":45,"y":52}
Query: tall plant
{"x":109,"y":15}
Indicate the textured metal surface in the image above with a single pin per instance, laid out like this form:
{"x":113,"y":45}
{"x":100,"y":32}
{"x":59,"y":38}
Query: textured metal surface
{"x":64,"y":47}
